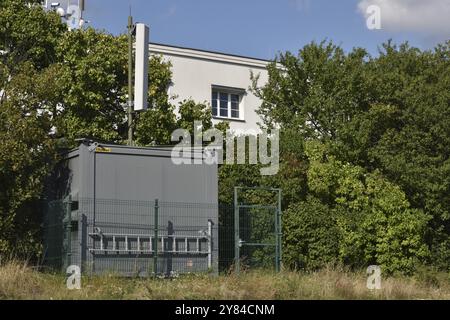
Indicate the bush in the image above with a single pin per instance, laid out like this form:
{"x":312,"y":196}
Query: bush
{"x":310,"y":237}
{"x":375,"y":220}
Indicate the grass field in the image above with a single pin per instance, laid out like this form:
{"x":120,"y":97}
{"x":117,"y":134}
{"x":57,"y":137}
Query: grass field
{"x":18,"y":281}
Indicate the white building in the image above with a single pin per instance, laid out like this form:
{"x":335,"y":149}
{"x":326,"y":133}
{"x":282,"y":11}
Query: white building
{"x":218,"y":79}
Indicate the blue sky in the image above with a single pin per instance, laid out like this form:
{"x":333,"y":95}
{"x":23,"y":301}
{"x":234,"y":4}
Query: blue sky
{"x":262,"y":28}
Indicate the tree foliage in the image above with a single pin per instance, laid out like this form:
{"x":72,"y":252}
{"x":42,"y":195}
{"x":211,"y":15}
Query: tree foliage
{"x":378,"y":155}
{"x":311,"y":238}
{"x":28,"y":78}
{"x":57,"y":86}
{"x":375,"y":221}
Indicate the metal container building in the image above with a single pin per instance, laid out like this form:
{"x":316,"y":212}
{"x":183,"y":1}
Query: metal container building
{"x":118,"y":194}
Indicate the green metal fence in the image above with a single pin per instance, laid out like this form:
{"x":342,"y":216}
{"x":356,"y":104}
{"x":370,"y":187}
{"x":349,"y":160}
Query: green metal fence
{"x":150,"y":238}
{"x":257,"y":228}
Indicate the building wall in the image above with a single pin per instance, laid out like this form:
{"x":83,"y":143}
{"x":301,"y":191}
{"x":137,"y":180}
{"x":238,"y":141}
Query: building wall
{"x":195,"y":72}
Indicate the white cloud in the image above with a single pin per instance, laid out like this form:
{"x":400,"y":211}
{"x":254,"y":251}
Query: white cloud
{"x":430,"y":17}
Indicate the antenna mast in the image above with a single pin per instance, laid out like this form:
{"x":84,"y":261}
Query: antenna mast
{"x":130,"y":79}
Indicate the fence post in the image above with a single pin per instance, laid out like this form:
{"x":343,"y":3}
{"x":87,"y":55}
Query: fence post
{"x":280,"y":232}
{"x":68,"y":231}
{"x":236,"y":231}
{"x":155,"y":243}
{"x":277,"y":241}
{"x":210,"y":237}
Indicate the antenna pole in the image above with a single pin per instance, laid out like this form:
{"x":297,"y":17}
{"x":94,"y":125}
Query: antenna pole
{"x":81,"y":6}
{"x":130,"y":80}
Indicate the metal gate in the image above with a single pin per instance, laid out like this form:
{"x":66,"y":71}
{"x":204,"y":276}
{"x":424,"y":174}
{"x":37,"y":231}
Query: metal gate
{"x":257,"y":232}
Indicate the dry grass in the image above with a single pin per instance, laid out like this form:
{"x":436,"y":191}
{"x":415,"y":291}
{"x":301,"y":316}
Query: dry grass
{"x":17,"y":281}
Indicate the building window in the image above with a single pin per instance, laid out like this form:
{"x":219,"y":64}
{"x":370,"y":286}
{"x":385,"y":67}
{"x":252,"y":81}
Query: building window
{"x":226,"y":104}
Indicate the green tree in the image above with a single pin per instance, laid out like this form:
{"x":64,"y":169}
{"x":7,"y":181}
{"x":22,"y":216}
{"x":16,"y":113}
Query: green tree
{"x":375,"y":220}
{"x":26,"y":157}
{"x":28,"y":37}
{"x":94,"y":85}
{"x":315,"y":92}
{"x":414,"y":153}
{"x":28,"y":34}
{"x":384,"y":116}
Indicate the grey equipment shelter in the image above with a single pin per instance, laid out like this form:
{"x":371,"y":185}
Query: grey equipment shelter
{"x":133,"y":211}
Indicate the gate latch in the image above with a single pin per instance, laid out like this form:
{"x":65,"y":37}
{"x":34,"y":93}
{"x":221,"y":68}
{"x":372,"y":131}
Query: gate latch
{"x":241,"y":242}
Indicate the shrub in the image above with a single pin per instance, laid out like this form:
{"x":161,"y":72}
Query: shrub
{"x":310,"y":237}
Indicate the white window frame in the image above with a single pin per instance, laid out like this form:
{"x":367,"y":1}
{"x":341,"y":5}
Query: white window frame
{"x":228,"y":92}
